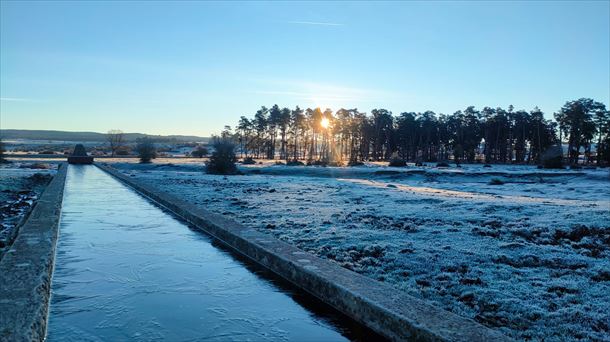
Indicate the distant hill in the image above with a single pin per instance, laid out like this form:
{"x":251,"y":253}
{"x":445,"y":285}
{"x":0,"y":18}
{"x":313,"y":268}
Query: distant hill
{"x":87,"y":136}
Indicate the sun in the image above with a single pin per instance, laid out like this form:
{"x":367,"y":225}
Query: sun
{"x":324,"y":123}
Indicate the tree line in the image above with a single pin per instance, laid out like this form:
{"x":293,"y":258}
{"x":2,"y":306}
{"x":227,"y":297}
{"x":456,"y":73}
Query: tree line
{"x":491,"y":135}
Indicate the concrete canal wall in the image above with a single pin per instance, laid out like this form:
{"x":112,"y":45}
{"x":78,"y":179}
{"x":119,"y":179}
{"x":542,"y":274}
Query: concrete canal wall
{"x":388,"y":311}
{"x":27,"y":267}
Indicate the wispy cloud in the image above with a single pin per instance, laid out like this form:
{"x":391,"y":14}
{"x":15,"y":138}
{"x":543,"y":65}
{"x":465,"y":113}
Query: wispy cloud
{"x":318,"y":23}
{"x":15,"y":99}
{"x":309,"y":95}
{"x":319,"y":94}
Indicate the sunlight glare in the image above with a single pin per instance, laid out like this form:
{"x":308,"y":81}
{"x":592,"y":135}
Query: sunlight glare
{"x":324,"y":123}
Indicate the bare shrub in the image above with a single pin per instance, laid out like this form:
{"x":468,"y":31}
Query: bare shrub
{"x":146,"y":150}
{"x":200,"y":152}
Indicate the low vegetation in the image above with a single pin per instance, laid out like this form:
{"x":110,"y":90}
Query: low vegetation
{"x":146,"y":150}
{"x":2,"y":159}
{"x":248,"y":161}
{"x":199,"y":152}
{"x":552,"y":158}
{"x":398,"y":162}
{"x":496,"y":181}
{"x":223,"y":158}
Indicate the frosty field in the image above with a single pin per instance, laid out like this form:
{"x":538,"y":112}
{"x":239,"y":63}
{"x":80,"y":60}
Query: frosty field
{"x":20,"y":186}
{"x":522,"y":250}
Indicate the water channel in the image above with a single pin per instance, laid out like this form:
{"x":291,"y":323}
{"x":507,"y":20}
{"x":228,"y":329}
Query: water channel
{"x":128,"y":270}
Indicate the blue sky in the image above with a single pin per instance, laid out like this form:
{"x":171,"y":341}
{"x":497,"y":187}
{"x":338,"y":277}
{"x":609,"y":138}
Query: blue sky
{"x":192,"y":67}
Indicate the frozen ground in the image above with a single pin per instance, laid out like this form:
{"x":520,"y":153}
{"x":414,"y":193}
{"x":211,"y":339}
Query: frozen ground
{"x":522,"y":250}
{"x":20,"y":186}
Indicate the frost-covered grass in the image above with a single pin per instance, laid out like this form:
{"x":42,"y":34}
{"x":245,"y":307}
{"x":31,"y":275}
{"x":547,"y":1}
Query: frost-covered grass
{"x":20,"y":186}
{"x":529,"y":255}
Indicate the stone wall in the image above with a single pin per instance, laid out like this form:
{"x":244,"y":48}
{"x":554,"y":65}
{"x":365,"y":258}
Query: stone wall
{"x":27,"y":267}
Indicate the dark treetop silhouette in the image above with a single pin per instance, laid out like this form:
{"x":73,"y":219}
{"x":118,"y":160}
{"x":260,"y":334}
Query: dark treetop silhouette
{"x":491,"y":135}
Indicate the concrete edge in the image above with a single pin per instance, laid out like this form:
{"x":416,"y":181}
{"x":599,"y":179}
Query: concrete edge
{"x":382,"y":308}
{"x":15,"y":232}
{"x":27,"y":268}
